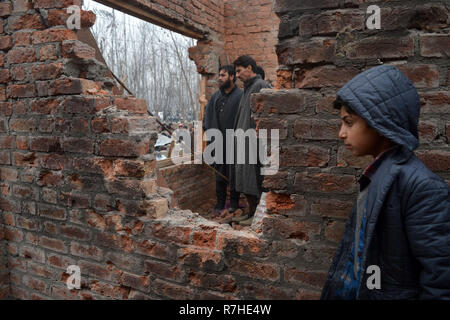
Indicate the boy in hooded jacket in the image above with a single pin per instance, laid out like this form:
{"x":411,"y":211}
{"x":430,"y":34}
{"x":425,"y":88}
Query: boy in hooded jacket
{"x":399,"y":226}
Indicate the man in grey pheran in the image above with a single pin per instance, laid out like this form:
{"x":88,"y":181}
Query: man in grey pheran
{"x":247,"y":176}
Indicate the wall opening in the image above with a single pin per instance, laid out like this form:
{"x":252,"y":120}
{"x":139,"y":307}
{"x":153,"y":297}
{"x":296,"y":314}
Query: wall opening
{"x":152,"y":63}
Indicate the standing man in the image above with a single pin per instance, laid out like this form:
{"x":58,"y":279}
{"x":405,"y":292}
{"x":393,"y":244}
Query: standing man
{"x":248,"y":179}
{"x":220,"y":113}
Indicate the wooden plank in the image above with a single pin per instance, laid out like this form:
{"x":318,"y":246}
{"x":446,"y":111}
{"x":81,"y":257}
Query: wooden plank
{"x":133,"y":8}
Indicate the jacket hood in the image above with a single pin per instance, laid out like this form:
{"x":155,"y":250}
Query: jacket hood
{"x":388,"y":101}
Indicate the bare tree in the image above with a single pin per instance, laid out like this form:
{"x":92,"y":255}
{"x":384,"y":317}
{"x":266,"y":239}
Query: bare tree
{"x":153,"y":61}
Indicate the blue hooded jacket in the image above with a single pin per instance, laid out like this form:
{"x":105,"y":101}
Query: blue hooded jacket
{"x":407,"y":231}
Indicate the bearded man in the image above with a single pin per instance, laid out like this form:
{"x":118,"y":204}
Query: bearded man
{"x":220,"y":114}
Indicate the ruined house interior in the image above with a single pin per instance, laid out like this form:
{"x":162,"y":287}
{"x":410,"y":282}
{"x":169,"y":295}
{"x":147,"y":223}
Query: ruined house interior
{"x":80,"y":185}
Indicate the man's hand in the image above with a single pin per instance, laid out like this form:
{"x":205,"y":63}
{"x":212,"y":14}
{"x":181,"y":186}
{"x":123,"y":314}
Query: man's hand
{"x":203,"y":100}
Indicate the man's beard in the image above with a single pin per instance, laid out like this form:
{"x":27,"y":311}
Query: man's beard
{"x":226,"y":85}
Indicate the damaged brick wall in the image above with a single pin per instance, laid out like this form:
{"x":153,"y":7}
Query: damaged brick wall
{"x":323,"y":44}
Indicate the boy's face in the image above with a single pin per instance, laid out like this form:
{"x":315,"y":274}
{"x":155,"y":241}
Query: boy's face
{"x":358,"y":137}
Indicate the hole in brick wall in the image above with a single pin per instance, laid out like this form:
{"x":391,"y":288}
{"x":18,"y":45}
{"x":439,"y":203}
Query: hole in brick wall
{"x":153,"y":64}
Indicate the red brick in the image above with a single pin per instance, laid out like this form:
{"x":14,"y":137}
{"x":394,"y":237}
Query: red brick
{"x":45,"y":144}
{"x":5,"y":42}
{"x":324,"y":76}
{"x":276,"y":182}
{"x":63,"y":293}
{"x":109,"y":291}
{"x":435,"y":45}
{"x":304,"y":294}
{"x":53,"y":35}
{"x":50,"y":4}
{"x":25,"y":192}
{"x":21,"y":91}
{"x":119,"y":125}
{"x":428,"y":131}
{"x":4,"y":76}
{"x":8,"y":174}
{"x":325,"y":182}
{"x":381,"y":48}
{"x":334,"y":231}
{"x":285,"y":102}
{"x":293,"y":52}
{"x":67,"y":86}
{"x":177,"y":234}
{"x":55,"y":162}
{"x":347,"y":159}
{"x":23,"y":125}
{"x":204,"y":238}
{"x":310,"y":278}
{"x":331,"y":22}
{"x":172,"y":291}
{"x":48,"y":52}
{"x":284,"y":6}
{"x":74,"y":232}
{"x":6,"y":108}
{"x":222,"y":283}
{"x":100,"y":125}
{"x":59,"y":261}
{"x":123,"y":148}
{"x":311,"y":129}
{"x":5,"y":157}
{"x":12,"y":234}
{"x":422,"y":75}
{"x":257,"y":270}
{"x":132,"y":105}
{"x":154,"y":249}
{"x":21,"y":55}
{"x":435,"y":160}
{"x":77,"y":145}
{"x":331,"y":208}
{"x":273,"y":124}
{"x":5,"y":9}
{"x":325,"y":105}
{"x":27,"y":21}
{"x":41,"y":271}
{"x":78,"y":50}
{"x":22,"y":5}
{"x":19,"y":73}
{"x":52,"y":212}
{"x":304,"y":156}
{"x":95,"y":220}
{"x":97,"y":271}
{"x":33,"y":253}
{"x":86,"y":251}
{"x":165,"y":271}
{"x":74,"y":200}
{"x":435,"y":102}
{"x":34,"y":283}
{"x":44,"y":106}
{"x":46,"y":71}
{"x":20,"y":108}
{"x":288,"y":228}
{"x":53,"y":244}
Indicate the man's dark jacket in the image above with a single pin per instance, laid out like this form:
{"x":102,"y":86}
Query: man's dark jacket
{"x":407,"y":233}
{"x":220,"y":113}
